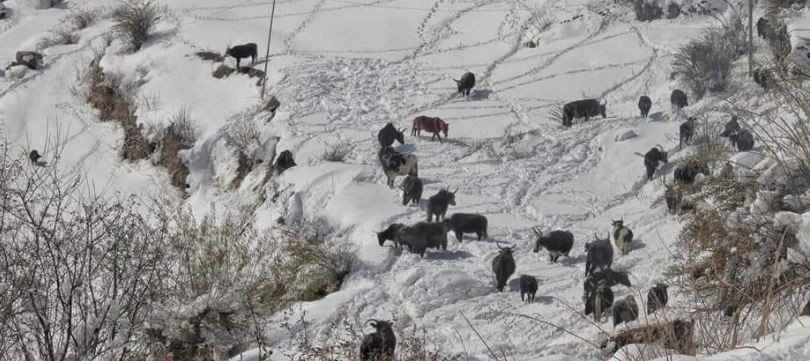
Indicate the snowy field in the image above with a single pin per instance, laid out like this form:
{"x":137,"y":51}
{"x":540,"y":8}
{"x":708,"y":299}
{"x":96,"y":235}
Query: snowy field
{"x":344,"y":68}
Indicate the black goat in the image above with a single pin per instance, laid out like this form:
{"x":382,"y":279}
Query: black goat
{"x":599,"y":254}
{"x":380,"y":344}
{"x":686,"y":131}
{"x":625,"y":310}
{"x":504,"y":266}
{"x":609,"y":277}
{"x":731,"y":128}
{"x":651,"y":159}
{"x":528,"y":286}
{"x":657,"y":298}
{"x":389,"y":234}
{"x":686,"y":173}
{"x":411,"y":190}
{"x":644,"y":105}
{"x":388,"y":134}
{"x":435,"y":234}
{"x":678,"y":99}
{"x":242,"y":51}
{"x":283,"y":162}
{"x":438,"y":204}
{"x":461,"y":223}
{"x":466,"y":83}
{"x":743,"y":140}
{"x":558,"y":243}
{"x":598,"y":300}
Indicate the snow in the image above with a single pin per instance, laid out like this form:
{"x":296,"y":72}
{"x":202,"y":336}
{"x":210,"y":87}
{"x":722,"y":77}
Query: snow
{"x":342,"y":69}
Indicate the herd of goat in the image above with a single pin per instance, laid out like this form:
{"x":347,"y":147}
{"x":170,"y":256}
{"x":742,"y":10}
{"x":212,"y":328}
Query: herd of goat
{"x":600,"y":277}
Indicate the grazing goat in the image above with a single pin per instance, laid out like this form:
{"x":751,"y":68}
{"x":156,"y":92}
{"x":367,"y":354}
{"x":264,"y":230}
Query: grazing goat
{"x":283,"y":162}
{"x":673,"y":198}
{"x":599,"y":254}
{"x":651,"y":159}
{"x":415,"y":240}
{"x":625,"y":310}
{"x":598,"y":300}
{"x":397,"y":164}
{"x":433,"y":125}
{"x":644,"y":105}
{"x":558,"y":243}
{"x":686,"y":131}
{"x":622,"y":235}
{"x":731,"y":128}
{"x":678,"y":99}
{"x":380,"y":344}
{"x":763,"y":28}
{"x":528,"y":286}
{"x":676,"y":335}
{"x":466,"y":83}
{"x":657,"y":298}
{"x":743,"y":140}
{"x":388,"y":134}
{"x":585,"y":108}
{"x":609,"y":276}
{"x":762,"y":77}
{"x":411,"y":190}
{"x":687,"y":173}
{"x":242,"y":51}
{"x":438,"y":204}
{"x":389,"y":234}
{"x":461,"y":223}
{"x":503,"y":265}
{"x":434,"y":233}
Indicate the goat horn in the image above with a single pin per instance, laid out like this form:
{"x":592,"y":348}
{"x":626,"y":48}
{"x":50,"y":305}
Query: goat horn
{"x":498,"y":243}
{"x":372,"y":320}
{"x":659,"y":146}
{"x":539,"y":233}
{"x":608,"y":235}
{"x":595,"y":237}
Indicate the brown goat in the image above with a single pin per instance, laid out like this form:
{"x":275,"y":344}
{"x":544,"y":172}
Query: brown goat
{"x":429,"y":124}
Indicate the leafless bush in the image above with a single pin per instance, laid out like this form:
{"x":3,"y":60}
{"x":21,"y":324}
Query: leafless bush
{"x":59,"y":36}
{"x":83,"y":17}
{"x":178,"y":136}
{"x":344,"y":334}
{"x":242,"y":133}
{"x":134,"y":21}
{"x":337,"y":152}
{"x":78,"y":270}
{"x":705,"y":64}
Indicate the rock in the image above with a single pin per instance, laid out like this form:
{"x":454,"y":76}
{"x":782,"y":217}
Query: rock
{"x":628,"y":134}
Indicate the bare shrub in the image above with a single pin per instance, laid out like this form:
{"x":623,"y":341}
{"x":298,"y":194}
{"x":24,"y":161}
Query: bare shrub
{"x":647,"y":10}
{"x":705,"y":64}
{"x":134,"y":21}
{"x":178,"y":136}
{"x":78,"y":270}
{"x":114,"y":103}
{"x":242,"y":133}
{"x":83,"y":17}
{"x":59,"y":36}
{"x":342,"y":338}
{"x":337,"y":152}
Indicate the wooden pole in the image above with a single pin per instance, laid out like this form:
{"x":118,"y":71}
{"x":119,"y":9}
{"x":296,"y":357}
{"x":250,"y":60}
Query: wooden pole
{"x":267,"y":55}
{"x":751,"y":38}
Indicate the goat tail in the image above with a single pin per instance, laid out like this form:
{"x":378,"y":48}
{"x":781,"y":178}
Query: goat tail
{"x":639,"y":154}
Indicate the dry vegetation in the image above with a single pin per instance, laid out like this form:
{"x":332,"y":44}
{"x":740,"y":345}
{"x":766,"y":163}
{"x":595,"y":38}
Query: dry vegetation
{"x":100,"y":277}
{"x":178,"y":136}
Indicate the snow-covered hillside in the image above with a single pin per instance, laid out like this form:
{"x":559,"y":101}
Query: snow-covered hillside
{"x":342,"y":69}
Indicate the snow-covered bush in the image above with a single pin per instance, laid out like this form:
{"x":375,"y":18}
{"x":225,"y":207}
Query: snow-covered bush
{"x":85,"y":16}
{"x":705,"y":63}
{"x":134,"y":21}
{"x":647,"y":10}
{"x":337,"y":152}
{"x":78,"y":270}
{"x":59,"y":36}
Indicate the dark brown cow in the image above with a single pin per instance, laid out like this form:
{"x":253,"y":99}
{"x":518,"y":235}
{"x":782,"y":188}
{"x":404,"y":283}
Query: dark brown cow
{"x":429,"y":124}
